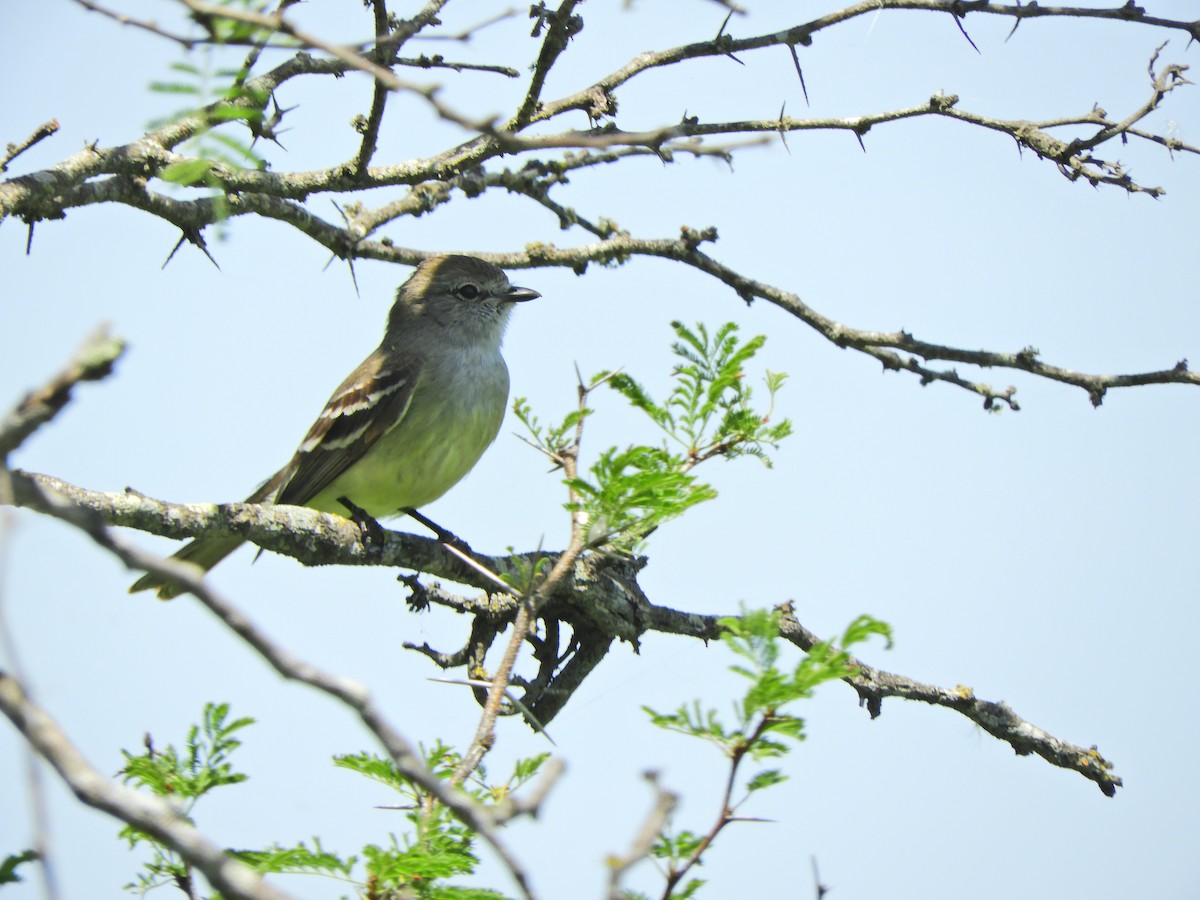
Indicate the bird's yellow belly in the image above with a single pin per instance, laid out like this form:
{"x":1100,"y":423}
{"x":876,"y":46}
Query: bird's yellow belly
{"x":417,"y":461}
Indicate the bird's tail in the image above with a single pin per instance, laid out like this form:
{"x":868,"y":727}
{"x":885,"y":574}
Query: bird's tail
{"x":204,"y":552}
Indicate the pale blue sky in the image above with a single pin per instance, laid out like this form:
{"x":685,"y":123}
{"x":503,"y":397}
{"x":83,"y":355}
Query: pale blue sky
{"x":1045,"y":558}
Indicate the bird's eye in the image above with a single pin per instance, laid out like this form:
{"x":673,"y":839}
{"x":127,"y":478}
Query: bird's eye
{"x":467,"y":291}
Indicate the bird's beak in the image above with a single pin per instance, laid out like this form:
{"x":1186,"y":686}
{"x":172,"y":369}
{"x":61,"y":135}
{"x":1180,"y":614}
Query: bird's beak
{"x":519,"y":294}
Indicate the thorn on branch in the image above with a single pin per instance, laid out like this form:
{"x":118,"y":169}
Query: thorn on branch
{"x":723,"y":40}
{"x":958,"y":12}
{"x":1016,"y":22}
{"x":194,"y":237}
{"x":799,"y":72}
{"x":782,"y":130}
{"x":268,"y":129}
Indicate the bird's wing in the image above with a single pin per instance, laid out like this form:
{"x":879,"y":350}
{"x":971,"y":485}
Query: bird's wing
{"x":367,"y":405}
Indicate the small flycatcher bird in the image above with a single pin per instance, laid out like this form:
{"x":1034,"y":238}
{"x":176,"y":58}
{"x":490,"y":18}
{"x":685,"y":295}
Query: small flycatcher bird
{"x":412,"y":419}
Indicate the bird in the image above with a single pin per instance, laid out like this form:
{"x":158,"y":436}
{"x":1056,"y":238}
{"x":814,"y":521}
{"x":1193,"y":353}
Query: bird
{"x":411,"y":420}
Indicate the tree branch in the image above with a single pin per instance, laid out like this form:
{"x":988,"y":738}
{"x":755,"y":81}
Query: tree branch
{"x":599,"y":597}
{"x":12,"y":151}
{"x":158,"y":819}
{"x":93,"y":361}
{"x":146,"y":812}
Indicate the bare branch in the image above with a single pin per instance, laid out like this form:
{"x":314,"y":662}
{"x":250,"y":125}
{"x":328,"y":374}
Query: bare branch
{"x":996,"y":718}
{"x":656,"y":820}
{"x":38,"y":805}
{"x":12,"y":151}
{"x":370,"y":127}
{"x":470,"y":31}
{"x":144,"y":24}
{"x":92,"y":361}
{"x":802,"y":35}
{"x":407,"y":760}
{"x":877,"y":344}
{"x":306,"y":535}
{"x":560,"y":26}
{"x":595,"y":593}
{"x":530,"y":803}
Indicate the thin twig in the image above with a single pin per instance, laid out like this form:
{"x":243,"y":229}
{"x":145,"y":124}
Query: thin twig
{"x":12,"y":151}
{"x":144,"y":24}
{"x":560,"y":25}
{"x":38,"y":807}
{"x":656,"y":820}
{"x":485,"y":733}
{"x":370,"y":131}
{"x":93,"y":360}
{"x":470,"y":31}
{"x":346,"y":54}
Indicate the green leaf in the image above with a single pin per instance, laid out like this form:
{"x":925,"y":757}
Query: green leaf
{"x":244,"y":150}
{"x":205,"y":765}
{"x":525,"y":769}
{"x":633,"y":491}
{"x":374,"y":767}
{"x":296,"y":860}
{"x":432,"y":858}
{"x":637,"y":395}
{"x":189,"y":172}
{"x":765,"y":779}
{"x":689,"y":889}
{"x":629,"y":492}
{"x":8,"y":868}
{"x":452,"y":892}
{"x":676,"y":846}
{"x":863,"y":627}
{"x":173,"y":87}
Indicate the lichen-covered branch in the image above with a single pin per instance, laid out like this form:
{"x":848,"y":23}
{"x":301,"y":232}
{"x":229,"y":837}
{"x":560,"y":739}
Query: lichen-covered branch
{"x":129,"y":174}
{"x":598,"y":598}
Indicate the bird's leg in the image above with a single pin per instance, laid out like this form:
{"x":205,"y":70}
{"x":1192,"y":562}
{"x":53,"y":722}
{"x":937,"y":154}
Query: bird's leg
{"x":371,"y":530}
{"x":446,"y":537}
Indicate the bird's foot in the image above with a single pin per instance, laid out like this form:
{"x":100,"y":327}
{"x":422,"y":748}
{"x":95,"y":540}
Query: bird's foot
{"x":369,"y":529}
